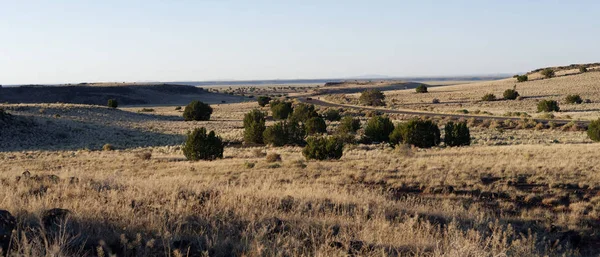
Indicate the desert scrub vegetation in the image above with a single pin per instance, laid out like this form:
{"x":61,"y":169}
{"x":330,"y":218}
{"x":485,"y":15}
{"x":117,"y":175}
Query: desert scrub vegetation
{"x":254,"y":127}
{"x":197,"y":111}
{"x":323,"y":148}
{"x":281,"y":109}
{"x":488,"y":97}
{"x":511,"y":94}
{"x":548,"y":73}
{"x":417,"y":132}
{"x":285,"y":133}
{"x":421,"y":89}
{"x":548,"y":106}
{"x":315,"y":125}
{"x":522,"y":78}
{"x":332,"y":115}
{"x":378,"y":129}
{"x":372,"y":97}
{"x":303,"y":112}
{"x":112,"y":103}
{"x":263,"y":100}
{"x":593,"y":130}
{"x":457,"y":134}
{"x":573,"y":99}
{"x":203,"y":146}
{"x":348,"y":124}
{"x":583,"y":69}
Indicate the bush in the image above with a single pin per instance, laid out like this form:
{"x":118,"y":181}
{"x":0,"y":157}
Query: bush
{"x":273,"y":157}
{"x":323,"y":148}
{"x":146,"y":110}
{"x":457,"y":134}
{"x":112,"y":103}
{"x":202,"y":146}
{"x":332,"y":115}
{"x":421,"y":89}
{"x":284,"y":133}
{"x":108,"y":147}
{"x":315,"y":125}
{"x":303,"y":112}
{"x":348,"y":125}
{"x":144,"y":155}
{"x":254,"y":127}
{"x":435,"y":101}
{"x":593,"y":130}
{"x":378,"y":129}
{"x":488,"y":97}
{"x":573,"y":99}
{"x":583,"y":70}
{"x":178,"y":108}
{"x":522,"y":78}
{"x":263,"y":100}
{"x":510,"y":94}
{"x":548,"y":106}
{"x":420,"y":133}
{"x":372,"y":97}
{"x":197,"y":110}
{"x":281,"y":110}
{"x":396,"y":135}
{"x":548,"y":73}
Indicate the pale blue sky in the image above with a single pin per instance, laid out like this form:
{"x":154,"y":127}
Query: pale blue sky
{"x":76,"y":41}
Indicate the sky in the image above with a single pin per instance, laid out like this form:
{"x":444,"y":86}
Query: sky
{"x":59,"y":41}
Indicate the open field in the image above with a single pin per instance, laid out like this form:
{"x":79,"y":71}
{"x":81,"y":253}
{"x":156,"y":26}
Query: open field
{"x":468,"y":96}
{"x":520,"y":189}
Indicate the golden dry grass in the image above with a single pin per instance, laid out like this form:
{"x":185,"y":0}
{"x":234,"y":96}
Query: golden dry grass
{"x":514,"y":192}
{"x":468,"y":96}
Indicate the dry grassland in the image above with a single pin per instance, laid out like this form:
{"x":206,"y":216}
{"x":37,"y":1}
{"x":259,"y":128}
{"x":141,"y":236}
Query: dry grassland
{"x":514,"y":192}
{"x":468,"y":96}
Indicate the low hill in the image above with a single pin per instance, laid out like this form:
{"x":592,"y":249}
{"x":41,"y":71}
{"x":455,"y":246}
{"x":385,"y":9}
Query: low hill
{"x":98,"y":94}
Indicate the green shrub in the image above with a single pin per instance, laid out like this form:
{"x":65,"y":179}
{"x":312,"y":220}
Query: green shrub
{"x":303,"y":112}
{"x":315,"y":125}
{"x":323,"y":148}
{"x":197,"y":110}
{"x":548,"y":106}
{"x":372,"y":97}
{"x":420,"y":133}
{"x":202,"y":146}
{"x":573,"y":99}
{"x":112,"y":103}
{"x":332,"y":115}
{"x":457,"y":134}
{"x":593,"y":130}
{"x":488,"y":97}
{"x":254,"y":127}
{"x":510,"y":94}
{"x":421,"y":89}
{"x":583,"y":70}
{"x":281,"y":110}
{"x":348,"y":125}
{"x":396,"y":135}
{"x":522,"y":78}
{"x":263,"y":100}
{"x":178,"y":108}
{"x":378,"y":129}
{"x":284,"y":133}
{"x":548,"y":73}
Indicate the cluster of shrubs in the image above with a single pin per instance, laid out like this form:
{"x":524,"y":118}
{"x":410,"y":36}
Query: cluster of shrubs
{"x":203,"y":146}
{"x":548,"y":106}
{"x":372,"y":97}
{"x":522,"y":78}
{"x":421,"y":89}
{"x":548,"y":73}
{"x":573,"y":99}
{"x":417,"y":132}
